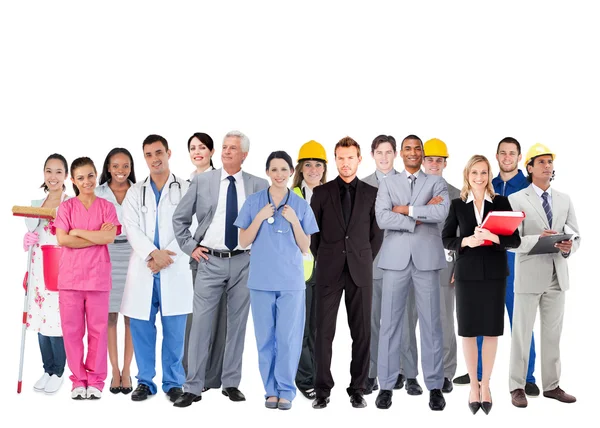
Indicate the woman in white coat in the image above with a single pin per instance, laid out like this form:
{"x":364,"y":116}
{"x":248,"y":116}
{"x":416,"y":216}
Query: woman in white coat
{"x":158,"y":277}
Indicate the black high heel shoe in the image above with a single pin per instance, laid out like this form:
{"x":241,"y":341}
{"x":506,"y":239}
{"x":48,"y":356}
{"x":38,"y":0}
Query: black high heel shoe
{"x":127,"y":390}
{"x":474,"y":406}
{"x":115,"y":389}
{"x":487,"y":405}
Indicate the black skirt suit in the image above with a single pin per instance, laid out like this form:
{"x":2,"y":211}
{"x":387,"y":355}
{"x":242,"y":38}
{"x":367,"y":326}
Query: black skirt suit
{"x":479,"y":273}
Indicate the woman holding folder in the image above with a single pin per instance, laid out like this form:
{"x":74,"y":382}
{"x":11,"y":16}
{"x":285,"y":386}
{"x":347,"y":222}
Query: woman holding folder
{"x":480,"y":273}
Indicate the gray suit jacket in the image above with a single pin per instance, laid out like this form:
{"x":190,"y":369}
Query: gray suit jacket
{"x":405,"y":240}
{"x":446,"y":274}
{"x":533,"y":274}
{"x":373,"y":181}
{"x":201,"y":199}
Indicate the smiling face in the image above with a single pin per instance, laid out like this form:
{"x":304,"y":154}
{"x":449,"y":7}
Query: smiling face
{"x":232,"y":156}
{"x":54,"y":175}
{"x":541,"y":171}
{"x":479,"y":177}
{"x":84,"y":177}
{"x":200,"y":154}
{"x":384,"y":156}
{"x":119,"y":167}
{"x":412,"y":155}
{"x":312,"y":172}
{"x":347,"y":161}
{"x":279,"y":172}
{"x":508,"y":157}
{"x":157,"y":158}
{"x":434,"y":165}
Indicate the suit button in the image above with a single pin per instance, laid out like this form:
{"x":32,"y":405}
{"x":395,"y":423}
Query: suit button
{"x":343,"y":251}
{"x":347,"y":237}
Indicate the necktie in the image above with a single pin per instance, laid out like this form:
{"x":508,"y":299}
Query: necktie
{"x":547,"y":208}
{"x":412,"y":179}
{"x":231,"y":232}
{"x":346,"y":203}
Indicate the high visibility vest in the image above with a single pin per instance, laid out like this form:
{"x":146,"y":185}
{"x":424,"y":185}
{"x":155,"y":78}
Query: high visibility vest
{"x":309,"y":260}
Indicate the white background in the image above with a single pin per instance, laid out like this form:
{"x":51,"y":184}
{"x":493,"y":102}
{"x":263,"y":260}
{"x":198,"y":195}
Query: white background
{"x":80,"y":79}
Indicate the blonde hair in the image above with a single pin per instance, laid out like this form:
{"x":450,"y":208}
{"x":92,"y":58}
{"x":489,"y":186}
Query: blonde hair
{"x":464,"y":193}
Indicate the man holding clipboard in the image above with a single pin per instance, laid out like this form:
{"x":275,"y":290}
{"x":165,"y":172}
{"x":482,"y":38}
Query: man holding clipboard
{"x":541,"y":279}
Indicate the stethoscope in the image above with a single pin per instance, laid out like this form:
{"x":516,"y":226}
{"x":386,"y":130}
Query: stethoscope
{"x":145,"y":209}
{"x":271,"y":220}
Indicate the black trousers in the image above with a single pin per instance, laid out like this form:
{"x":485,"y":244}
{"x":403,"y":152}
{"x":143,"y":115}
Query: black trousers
{"x":358,"y":307}
{"x":305,"y":377}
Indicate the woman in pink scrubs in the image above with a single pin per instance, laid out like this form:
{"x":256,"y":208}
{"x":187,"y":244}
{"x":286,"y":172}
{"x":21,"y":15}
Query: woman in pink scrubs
{"x":84,"y":226}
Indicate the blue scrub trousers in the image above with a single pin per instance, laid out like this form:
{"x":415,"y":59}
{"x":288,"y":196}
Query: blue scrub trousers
{"x":510,"y":302}
{"x":143,"y":334}
{"x":279,"y":328}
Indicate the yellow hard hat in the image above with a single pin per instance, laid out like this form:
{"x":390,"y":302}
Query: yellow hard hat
{"x":312,"y":150}
{"x":435,"y":147}
{"x":537,"y":149}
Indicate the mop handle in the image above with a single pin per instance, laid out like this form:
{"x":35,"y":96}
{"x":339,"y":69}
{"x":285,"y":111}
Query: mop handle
{"x":24,"y":326}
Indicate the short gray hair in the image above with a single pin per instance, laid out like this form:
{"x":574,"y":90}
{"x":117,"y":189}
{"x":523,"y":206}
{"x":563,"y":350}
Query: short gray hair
{"x":244,"y":141}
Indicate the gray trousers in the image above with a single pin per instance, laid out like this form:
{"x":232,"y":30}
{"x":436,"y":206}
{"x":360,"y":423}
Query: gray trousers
{"x":409,"y":354}
{"x":215,"y":277}
{"x":447,"y":304}
{"x":552,"y":308}
{"x":396,"y":287}
{"x":214,"y":366}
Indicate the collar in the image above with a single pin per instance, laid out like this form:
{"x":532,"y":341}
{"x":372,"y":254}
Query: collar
{"x":238,"y":175}
{"x":380,"y":175}
{"x":516,"y":181}
{"x":539,"y":191}
{"x":471,"y":197}
{"x":416,"y":174}
{"x":342,"y":183}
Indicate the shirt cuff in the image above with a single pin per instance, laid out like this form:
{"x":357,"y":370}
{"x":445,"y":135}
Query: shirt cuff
{"x":410,"y":211}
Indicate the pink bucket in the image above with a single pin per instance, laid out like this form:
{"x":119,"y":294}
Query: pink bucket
{"x":51,"y":255}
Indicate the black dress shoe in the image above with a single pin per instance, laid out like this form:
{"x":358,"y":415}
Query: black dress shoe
{"x":436,"y":400}
{"x":174,"y":393}
{"x":447,"y":388}
{"x":413,"y":387}
{"x":531,"y":389}
{"x":187,"y":399}
{"x":400,"y":382}
{"x":114,"y":389}
{"x":384,"y":399}
{"x":320,"y":402}
{"x":233,"y":393}
{"x":141,"y":392}
{"x":462,"y":380}
{"x":358,"y":401}
{"x":371,"y":385}
{"x":126,"y":389}
{"x":310,"y":393}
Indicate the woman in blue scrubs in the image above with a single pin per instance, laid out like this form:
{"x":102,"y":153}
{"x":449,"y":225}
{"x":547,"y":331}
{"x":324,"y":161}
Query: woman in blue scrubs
{"x":278,"y":223}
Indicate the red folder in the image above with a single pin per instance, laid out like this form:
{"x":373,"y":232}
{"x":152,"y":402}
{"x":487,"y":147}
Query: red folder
{"x":502,"y":223}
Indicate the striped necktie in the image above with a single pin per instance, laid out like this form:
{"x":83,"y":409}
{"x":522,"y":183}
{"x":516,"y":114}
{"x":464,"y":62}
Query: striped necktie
{"x":547,"y":208}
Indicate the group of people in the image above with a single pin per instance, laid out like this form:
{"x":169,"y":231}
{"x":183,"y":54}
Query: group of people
{"x":402,"y":246}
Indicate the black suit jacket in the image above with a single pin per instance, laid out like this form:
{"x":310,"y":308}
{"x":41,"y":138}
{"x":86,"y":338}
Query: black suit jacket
{"x":484,"y":262}
{"x":333,"y":245}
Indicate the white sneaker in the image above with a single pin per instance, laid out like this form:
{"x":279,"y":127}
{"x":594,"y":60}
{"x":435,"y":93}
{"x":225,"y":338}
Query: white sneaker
{"x":93,"y":393}
{"x":79,"y":393}
{"x":53,"y":384}
{"x":41,"y":383}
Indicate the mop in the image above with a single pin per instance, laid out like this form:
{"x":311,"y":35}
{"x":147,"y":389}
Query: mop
{"x":37,"y":213}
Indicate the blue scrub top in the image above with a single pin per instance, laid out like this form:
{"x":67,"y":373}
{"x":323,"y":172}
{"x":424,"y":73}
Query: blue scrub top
{"x":276,"y":262}
{"x":157,"y":194}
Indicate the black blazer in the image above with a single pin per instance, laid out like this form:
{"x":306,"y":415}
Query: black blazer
{"x":333,"y":245}
{"x":484,"y":262}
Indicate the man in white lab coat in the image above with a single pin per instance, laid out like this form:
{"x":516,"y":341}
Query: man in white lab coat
{"x":158,"y":277}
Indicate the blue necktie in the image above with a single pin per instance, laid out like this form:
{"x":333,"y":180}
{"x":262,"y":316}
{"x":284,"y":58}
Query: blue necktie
{"x":547,"y":208}
{"x":231,"y":213}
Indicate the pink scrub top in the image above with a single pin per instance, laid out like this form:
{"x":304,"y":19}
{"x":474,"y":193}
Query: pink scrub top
{"x":88,"y":268}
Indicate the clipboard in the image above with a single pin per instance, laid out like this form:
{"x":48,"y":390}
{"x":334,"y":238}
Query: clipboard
{"x":545,"y":245}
